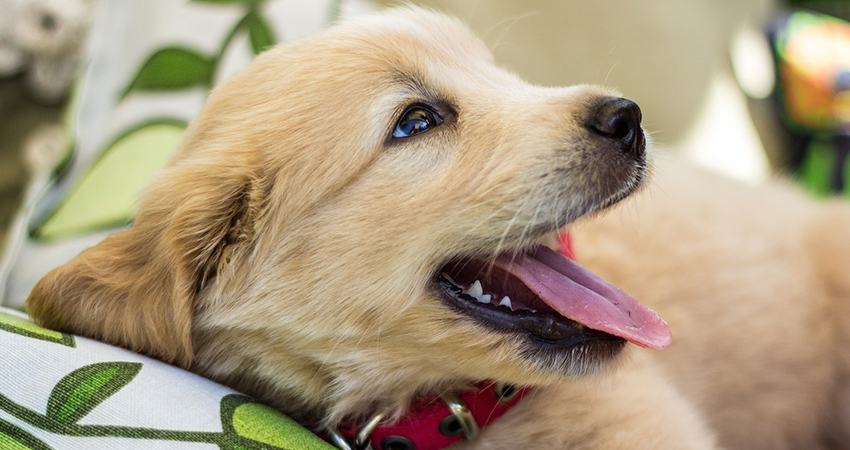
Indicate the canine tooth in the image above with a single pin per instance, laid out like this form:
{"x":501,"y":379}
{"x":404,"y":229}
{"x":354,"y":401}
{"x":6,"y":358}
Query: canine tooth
{"x":475,"y":290}
{"x":485,"y":298}
{"x":506,"y":301}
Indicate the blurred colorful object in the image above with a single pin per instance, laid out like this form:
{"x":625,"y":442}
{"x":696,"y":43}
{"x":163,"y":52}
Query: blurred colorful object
{"x":813,"y":63}
{"x":814,"y":69}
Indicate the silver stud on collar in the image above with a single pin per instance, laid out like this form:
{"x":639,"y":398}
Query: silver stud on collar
{"x":397,"y":443}
{"x":463,"y":415}
{"x":505,"y":392}
{"x":361,"y":441}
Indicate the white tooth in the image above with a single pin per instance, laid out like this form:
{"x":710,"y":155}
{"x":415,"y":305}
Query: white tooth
{"x":506,"y":301}
{"x":475,"y":290}
{"x":485,"y":298}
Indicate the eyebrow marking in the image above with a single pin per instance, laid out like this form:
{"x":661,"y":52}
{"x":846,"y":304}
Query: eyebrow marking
{"x":414,"y":82}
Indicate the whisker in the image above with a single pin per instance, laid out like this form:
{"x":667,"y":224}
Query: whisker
{"x":605,"y":83}
{"x":513,"y":21}
{"x":504,"y":236}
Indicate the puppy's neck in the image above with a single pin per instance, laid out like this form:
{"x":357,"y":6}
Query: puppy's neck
{"x":314,"y":393}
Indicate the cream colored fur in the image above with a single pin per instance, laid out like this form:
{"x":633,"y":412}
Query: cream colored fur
{"x":288,"y":249}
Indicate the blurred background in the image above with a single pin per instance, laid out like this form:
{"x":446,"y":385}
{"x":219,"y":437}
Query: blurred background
{"x":94,"y":94}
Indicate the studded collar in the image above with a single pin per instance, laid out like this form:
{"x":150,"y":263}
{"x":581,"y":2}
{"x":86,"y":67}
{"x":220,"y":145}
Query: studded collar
{"x":435,"y":423}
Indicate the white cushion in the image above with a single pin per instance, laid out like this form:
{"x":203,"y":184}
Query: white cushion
{"x":59,"y":391}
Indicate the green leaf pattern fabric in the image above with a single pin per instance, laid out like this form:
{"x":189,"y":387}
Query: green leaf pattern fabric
{"x":18,"y":325}
{"x":260,"y":33}
{"x":83,"y":389}
{"x":172,"y":68}
{"x":16,"y":438}
{"x":106,"y":196}
{"x":148,"y":69}
{"x":112,"y":398}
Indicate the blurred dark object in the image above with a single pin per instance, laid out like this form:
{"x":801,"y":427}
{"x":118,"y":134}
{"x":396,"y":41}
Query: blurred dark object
{"x":835,"y":8}
{"x":21,"y":116}
{"x":812,"y":63}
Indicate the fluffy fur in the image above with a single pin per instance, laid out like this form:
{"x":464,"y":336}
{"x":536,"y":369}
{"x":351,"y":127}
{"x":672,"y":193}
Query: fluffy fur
{"x":288,"y":250}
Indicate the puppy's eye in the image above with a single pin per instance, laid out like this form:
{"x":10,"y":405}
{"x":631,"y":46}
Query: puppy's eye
{"x":415,"y":120}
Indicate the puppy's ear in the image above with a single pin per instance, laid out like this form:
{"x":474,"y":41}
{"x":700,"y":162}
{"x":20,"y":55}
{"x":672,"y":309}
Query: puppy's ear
{"x":138,"y":288}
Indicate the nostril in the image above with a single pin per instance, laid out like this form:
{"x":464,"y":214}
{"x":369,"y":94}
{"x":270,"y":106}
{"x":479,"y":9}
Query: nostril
{"x":615,"y":127}
{"x":618,"y":119}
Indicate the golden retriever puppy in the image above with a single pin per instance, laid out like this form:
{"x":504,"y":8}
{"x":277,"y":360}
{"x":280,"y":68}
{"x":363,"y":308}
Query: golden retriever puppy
{"x":341,"y":226}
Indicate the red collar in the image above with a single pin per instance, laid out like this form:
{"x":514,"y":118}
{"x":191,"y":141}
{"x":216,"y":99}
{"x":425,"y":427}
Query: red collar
{"x":566,"y":241}
{"x":437,"y":423}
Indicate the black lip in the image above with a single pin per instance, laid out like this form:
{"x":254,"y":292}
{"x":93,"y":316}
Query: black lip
{"x":549,"y":330}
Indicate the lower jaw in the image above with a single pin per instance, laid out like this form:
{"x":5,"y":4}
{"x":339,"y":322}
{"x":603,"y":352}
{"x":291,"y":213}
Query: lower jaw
{"x":587,"y":339}
{"x":587,"y":357}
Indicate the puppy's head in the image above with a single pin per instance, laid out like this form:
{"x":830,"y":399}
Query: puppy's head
{"x":328,"y":233}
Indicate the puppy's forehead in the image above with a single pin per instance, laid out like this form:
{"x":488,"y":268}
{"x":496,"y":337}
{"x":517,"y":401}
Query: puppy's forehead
{"x":413,"y":42}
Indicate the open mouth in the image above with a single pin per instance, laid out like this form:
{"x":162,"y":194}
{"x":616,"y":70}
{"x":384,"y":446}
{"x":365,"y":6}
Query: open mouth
{"x":550,"y":298}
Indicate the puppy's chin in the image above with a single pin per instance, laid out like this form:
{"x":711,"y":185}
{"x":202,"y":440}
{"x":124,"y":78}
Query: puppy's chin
{"x":588,"y":357}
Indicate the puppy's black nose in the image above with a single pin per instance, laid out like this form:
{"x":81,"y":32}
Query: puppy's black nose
{"x":618,"y":119}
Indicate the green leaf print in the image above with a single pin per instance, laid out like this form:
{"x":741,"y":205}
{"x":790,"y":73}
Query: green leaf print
{"x":82,"y":390}
{"x":172,"y":68}
{"x":259,"y":32}
{"x":14,"y":438}
{"x":106,"y":196}
{"x":26,"y":328}
{"x":261,"y":424}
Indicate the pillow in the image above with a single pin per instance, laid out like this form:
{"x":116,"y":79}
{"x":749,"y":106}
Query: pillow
{"x":147,"y":70}
{"x":59,"y":391}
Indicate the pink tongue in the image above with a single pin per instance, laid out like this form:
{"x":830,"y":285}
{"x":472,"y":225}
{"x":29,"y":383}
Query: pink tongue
{"x":577,"y":294}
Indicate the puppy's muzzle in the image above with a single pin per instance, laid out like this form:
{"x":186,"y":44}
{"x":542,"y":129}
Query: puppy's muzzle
{"x":618,"y":121}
